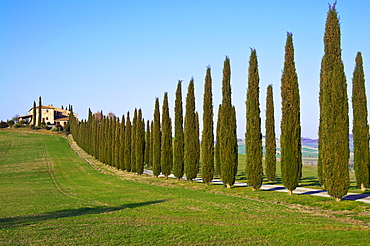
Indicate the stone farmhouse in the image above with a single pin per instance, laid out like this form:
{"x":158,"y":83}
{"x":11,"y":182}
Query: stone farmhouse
{"x":49,"y":115}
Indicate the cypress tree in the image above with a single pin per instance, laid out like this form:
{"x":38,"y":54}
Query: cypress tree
{"x":140,"y":143}
{"x":156,"y":140}
{"x":290,"y":139}
{"x":166,"y":139}
{"x":270,"y":141}
{"x":360,"y":125}
{"x":334,"y":123}
{"x":117,"y":144}
{"x":217,"y":147}
{"x":147,"y":143}
{"x":133,"y":141}
{"x":253,"y":140}
{"x":122,"y":144}
{"x":127,"y":156}
{"x":178,"y":144}
{"x":151,"y":145}
{"x":207,"y":133}
{"x":228,"y":140}
{"x":39,"y":113}
{"x":191,"y":142}
{"x":34,"y":114}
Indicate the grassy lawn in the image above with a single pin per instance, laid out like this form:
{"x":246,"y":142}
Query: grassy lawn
{"x":50,"y":196}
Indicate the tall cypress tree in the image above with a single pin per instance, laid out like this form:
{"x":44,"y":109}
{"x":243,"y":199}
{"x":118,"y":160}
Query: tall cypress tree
{"x":166,"y":139}
{"x":360,"y":125}
{"x":156,"y":140}
{"x":127,"y":156}
{"x":34,"y":114}
{"x":228,"y":139}
{"x":140,"y":143}
{"x":147,"y":143}
{"x":253,"y":140}
{"x":217,"y":147}
{"x":122,"y":144}
{"x":207,"y":133}
{"x":191,"y":139}
{"x":39,"y":113}
{"x":270,"y":141}
{"x":178,"y":144}
{"x":133,"y":141}
{"x":290,"y":139}
{"x":151,"y":144}
{"x":117,"y":143}
{"x":334,"y":123}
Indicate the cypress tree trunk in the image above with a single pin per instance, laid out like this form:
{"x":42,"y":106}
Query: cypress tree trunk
{"x":122,"y":144}
{"x":133,"y":142}
{"x":140,"y":143}
{"x":156,"y":140}
{"x":217,"y":147}
{"x":207,"y":133}
{"x":290,"y":139}
{"x":270,"y":143}
{"x":228,"y":140}
{"x":166,"y":139}
{"x":253,"y":140}
{"x":360,"y":125}
{"x":191,"y":138}
{"x":147,"y":143}
{"x":127,"y":157}
{"x":39,"y":113}
{"x":334,"y":123}
{"x":178,"y":145}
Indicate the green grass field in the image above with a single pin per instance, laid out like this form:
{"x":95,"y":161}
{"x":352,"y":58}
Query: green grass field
{"x":50,"y":196}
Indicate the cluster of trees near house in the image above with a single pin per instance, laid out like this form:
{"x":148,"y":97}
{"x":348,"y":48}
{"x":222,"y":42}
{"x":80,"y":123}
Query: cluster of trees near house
{"x":130,"y":144}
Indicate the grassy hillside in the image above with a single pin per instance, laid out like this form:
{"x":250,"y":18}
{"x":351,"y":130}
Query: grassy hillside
{"x":50,"y":196}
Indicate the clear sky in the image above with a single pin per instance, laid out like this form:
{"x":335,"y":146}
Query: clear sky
{"x":118,"y":55}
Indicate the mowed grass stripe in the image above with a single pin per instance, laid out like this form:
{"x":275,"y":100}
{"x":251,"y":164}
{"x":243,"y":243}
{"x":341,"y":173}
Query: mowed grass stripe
{"x":103,"y":209}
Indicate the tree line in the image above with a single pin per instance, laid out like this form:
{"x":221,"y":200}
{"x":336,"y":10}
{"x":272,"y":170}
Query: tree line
{"x":131,"y":145}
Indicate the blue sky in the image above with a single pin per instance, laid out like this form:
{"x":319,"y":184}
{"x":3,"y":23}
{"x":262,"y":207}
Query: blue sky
{"x":118,"y":55}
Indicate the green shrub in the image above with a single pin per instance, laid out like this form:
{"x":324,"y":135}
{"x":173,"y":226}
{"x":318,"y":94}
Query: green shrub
{"x":3,"y":124}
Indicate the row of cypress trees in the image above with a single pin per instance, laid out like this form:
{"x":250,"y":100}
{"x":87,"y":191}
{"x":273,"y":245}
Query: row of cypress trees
{"x":128,"y":147}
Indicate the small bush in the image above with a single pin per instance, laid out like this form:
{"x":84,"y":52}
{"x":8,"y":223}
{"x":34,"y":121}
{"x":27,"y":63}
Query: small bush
{"x":17,"y":125}
{"x":3,"y":124}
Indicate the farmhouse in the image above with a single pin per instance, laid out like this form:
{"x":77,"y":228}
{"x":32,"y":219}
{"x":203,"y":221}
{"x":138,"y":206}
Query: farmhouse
{"x":49,"y":115}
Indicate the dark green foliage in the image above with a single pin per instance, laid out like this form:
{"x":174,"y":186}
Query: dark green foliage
{"x":178,"y":144}
{"x":34,"y":113}
{"x":228,"y":141}
{"x":133,"y":141}
{"x":166,"y":139}
{"x":270,"y":139}
{"x":217,"y":147}
{"x":253,"y":140}
{"x":334,"y":123}
{"x":191,"y":137}
{"x":290,"y":139}
{"x":147,"y":144}
{"x":127,"y":154}
{"x":151,"y":145}
{"x":39,"y":113}
{"x":139,"y":143}
{"x":122,"y":144}
{"x":360,"y":125}
{"x":156,"y":140}
{"x":207,"y":133}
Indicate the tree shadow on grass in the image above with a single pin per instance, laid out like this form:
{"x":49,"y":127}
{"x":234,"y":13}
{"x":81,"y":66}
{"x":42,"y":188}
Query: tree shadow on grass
{"x":28,"y":220}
